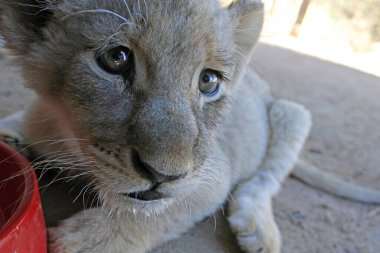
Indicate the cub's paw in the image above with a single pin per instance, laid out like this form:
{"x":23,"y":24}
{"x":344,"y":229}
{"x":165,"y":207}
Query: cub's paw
{"x":77,"y":234}
{"x":90,"y":231}
{"x":56,"y":244}
{"x":254,"y":227}
{"x":65,"y":239}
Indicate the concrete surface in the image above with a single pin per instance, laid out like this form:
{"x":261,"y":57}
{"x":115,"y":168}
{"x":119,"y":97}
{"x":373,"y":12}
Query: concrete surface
{"x":345,"y":140}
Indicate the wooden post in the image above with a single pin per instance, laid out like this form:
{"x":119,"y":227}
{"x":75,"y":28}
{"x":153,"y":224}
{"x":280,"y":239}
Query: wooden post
{"x":272,"y":8}
{"x":300,"y":17}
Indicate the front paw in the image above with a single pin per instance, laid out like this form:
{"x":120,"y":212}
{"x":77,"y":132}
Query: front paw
{"x":254,"y":227}
{"x":85,"y":232}
{"x":59,"y":243}
{"x":66,"y":238}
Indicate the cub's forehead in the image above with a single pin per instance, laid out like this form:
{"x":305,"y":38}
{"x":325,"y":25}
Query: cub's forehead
{"x":147,"y":21}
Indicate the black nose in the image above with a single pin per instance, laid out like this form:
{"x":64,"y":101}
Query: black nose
{"x":147,"y":171}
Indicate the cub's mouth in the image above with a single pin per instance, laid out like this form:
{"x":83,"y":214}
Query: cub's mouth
{"x":147,"y":195}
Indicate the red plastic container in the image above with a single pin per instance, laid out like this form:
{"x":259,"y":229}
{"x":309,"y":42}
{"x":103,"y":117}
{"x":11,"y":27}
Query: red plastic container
{"x":22,"y":226}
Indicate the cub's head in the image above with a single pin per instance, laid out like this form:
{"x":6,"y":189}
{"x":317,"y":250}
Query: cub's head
{"x":144,"y":83}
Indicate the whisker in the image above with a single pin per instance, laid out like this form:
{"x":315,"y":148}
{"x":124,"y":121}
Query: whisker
{"x":97,"y":11}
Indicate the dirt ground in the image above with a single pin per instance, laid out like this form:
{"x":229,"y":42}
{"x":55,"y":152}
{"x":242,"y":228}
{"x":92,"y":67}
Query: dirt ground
{"x":345,"y":141}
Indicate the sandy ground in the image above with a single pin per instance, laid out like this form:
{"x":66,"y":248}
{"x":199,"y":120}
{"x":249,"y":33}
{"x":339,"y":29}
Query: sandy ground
{"x":345,"y":140}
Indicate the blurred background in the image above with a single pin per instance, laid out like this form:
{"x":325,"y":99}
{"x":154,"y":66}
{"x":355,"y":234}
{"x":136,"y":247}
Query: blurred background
{"x":341,"y":31}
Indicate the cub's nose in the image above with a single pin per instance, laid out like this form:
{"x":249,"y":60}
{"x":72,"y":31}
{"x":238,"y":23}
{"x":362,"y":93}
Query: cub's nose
{"x":148,"y":172}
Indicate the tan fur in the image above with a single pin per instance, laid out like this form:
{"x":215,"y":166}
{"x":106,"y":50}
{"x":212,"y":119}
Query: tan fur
{"x":241,"y":141}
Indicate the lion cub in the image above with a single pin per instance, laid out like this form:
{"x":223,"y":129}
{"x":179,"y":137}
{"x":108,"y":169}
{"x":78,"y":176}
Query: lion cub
{"x":152,"y":101}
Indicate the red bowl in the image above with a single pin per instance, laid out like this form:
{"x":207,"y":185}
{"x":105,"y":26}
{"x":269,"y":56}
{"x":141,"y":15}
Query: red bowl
{"x":22,"y":225}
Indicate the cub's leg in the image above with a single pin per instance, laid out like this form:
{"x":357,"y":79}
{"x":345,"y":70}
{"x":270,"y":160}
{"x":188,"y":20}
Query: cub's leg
{"x":11,"y":132}
{"x":96,"y":231}
{"x":251,"y":217}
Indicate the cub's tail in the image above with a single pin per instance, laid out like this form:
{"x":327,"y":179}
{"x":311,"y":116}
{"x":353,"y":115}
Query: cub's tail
{"x":321,"y":180}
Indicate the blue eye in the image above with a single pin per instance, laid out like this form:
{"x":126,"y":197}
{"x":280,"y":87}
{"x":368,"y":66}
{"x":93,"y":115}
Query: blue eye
{"x":209,"y":82}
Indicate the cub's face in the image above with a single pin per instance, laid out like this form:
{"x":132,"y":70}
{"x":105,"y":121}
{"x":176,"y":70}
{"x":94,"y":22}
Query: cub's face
{"x":143,"y":84}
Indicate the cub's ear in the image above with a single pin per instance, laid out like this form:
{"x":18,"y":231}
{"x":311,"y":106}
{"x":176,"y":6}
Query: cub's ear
{"x":22,"y":21}
{"x":249,"y":15}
